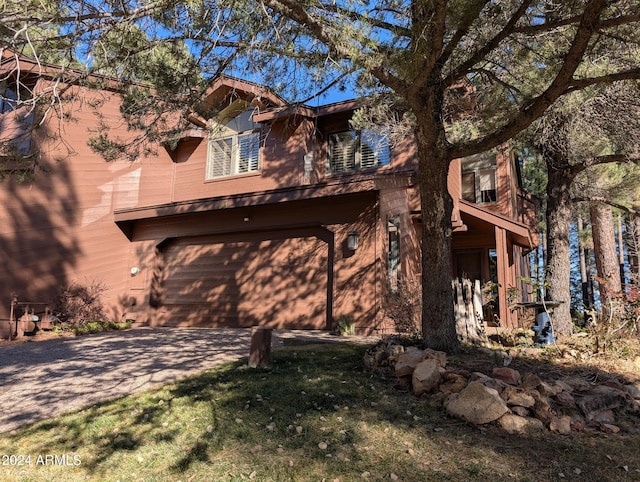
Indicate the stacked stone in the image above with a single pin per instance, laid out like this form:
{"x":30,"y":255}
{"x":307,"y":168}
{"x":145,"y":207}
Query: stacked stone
{"x":519,"y":403}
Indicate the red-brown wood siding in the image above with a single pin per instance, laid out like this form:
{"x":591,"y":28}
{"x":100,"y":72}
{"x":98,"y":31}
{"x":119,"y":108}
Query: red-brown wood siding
{"x":58,"y":229}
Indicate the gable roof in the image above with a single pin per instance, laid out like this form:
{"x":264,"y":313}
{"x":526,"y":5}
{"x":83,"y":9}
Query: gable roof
{"x":518,"y":232}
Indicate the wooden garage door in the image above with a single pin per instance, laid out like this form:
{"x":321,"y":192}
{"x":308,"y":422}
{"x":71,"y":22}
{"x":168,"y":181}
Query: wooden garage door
{"x":280,"y":283}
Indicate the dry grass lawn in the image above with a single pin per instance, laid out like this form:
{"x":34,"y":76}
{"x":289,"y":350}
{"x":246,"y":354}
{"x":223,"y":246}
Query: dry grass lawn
{"x":314,"y":415}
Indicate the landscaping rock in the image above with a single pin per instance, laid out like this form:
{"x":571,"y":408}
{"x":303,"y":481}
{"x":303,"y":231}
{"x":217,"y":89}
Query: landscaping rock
{"x":600,"y":398}
{"x":530,"y":381}
{"x":407,"y":362}
{"x":521,"y":403}
{"x":507,"y":375}
{"x":477,"y":376}
{"x":516,"y":424}
{"x":440,"y":356}
{"x":497,"y":385}
{"x":633,"y":389}
{"x":541,"y":409}
{"x":453,"y":383}
{"x":607,"y":427}
{"x":562,"y":425}
{"x":564,"y":386}
{"x":395,"y":351}
{"x":515,"y":397}
{"x":565,"y":398}
{"x":522,"y":411}
{"x":426,"y":376}
{"x":437,"y":400}
{"x":614,"y":384}
{"x":604,"y":416}
{"x":477,"y":404}
{"x":578,"y":384}
{"x":549,"y":390}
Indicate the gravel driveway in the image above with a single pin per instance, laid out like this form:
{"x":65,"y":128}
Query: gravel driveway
{"x":43,"y":379}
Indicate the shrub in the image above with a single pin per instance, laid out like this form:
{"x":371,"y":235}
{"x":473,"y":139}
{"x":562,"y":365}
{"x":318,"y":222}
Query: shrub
{"x":346,"y":326}
{"x":403,"y":305}
{"x":78,"y":304}
{"x":99,"y":327}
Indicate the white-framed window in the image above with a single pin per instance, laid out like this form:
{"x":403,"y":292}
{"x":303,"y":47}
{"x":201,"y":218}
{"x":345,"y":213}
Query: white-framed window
{"x":356,"y":150}
{"x":487,"y":185}
{"x":232,"y":155}
{"x":480,"y":186}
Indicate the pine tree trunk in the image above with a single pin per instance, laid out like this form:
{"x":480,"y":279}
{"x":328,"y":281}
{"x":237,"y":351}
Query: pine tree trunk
{"x":558,"y":271}
{"x":604,"y":247}
{"x":438,"y":320}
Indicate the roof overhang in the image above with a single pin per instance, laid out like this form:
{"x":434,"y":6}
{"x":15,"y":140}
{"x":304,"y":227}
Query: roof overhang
{"x":127,"y":219}
{"x":517,"y":232}
{"x":302,"y":110}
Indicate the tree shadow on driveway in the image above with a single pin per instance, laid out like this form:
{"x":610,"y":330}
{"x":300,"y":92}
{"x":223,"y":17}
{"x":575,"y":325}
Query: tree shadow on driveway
{"x":39,"y":380}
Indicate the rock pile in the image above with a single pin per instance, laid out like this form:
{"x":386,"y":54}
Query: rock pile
{"x":519,"y":403}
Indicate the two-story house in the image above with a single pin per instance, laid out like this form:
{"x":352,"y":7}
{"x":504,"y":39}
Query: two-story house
{"x":270,"y":214}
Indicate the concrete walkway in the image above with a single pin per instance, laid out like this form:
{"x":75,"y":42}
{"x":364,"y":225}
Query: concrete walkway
{"x":43,"y":379}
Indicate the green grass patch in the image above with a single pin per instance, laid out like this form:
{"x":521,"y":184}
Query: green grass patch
{"x":314,"y":415}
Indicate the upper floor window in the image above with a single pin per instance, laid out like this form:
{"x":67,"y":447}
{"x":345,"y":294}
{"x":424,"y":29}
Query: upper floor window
{"x":16,"y":128}
{"x":8,"y":99}
{"x":14,"y":93}
{"x":479,"y":186}
{"x":234,"y":148}
{"x":479,"y":178}
{"x":238,"y":154}
{"x":356,"y":150}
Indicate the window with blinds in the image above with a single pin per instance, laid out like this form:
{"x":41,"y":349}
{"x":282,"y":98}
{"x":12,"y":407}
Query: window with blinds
{"x":479,"y":186}
{"x":488,"y":191}
{"x":233,"y":155}
{"x":356,"y":150}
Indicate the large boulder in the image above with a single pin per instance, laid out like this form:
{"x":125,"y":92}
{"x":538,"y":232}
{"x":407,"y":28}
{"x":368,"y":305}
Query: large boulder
{"x":477,"y":404}
{"x":408,"y":361}
{"x":426,"y":376}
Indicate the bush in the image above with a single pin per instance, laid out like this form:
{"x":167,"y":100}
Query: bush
{"x":403,"y":305}
{"x":99,"y":327}
{"x":346,"y":326}
{"x":78,"y":304}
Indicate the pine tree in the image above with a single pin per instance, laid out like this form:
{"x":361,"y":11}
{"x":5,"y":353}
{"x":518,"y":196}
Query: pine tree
{"x":427,"y":53}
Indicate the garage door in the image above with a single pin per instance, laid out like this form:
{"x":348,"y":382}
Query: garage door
{"x":280,"y":283}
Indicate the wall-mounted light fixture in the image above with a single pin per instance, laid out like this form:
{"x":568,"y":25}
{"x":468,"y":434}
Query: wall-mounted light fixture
{"x":246,"y":219}
{"x":134,"y":271}
{"x":353,"y":240}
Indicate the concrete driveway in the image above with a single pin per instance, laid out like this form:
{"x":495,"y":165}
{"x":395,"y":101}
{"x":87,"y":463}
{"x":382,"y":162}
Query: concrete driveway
{"x":43,"y":379}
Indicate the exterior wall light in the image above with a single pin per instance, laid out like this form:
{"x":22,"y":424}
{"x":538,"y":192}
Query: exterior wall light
{"x":135,"y":270}
{"x":353,"y":240}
